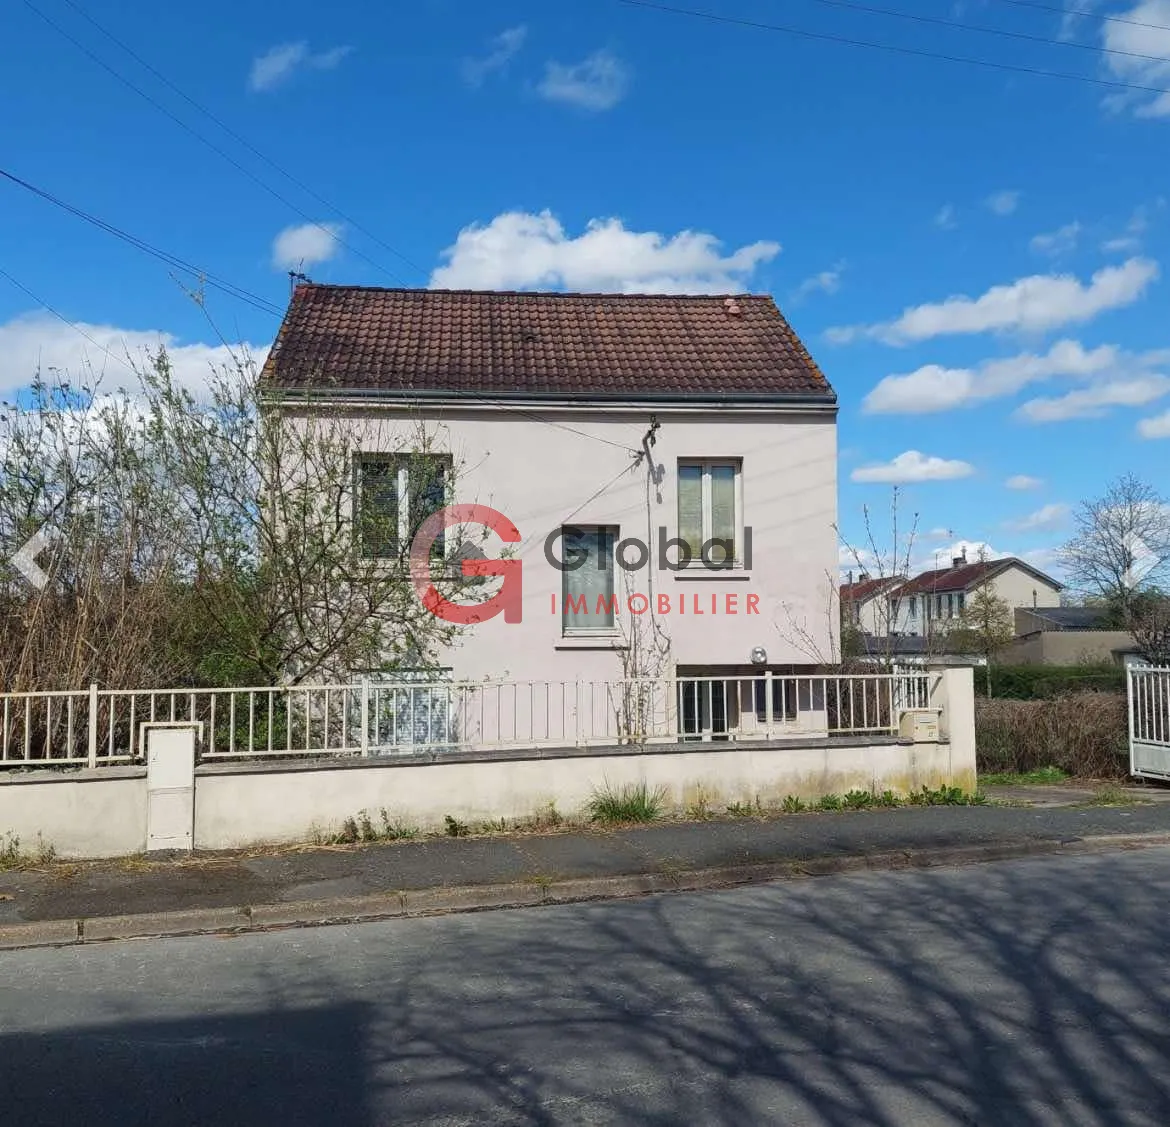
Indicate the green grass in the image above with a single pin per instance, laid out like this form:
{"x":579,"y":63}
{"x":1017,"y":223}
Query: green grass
{"x":1112,"y":795}
{"x":1040,"y":775}
{"x":632,"y":803}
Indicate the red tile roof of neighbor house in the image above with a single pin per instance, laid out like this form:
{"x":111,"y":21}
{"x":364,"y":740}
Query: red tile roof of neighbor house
{"x":867,"y":588}
{"x":966,"y":576}
{"x":552,"y":345}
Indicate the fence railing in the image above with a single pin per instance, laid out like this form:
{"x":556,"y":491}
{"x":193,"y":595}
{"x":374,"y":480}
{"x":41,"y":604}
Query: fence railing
{"x":97,"y":727}
{"x":1149,"y":717}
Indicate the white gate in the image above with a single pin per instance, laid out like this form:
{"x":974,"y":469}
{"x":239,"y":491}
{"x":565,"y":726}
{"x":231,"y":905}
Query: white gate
{"x":1149,"y":721}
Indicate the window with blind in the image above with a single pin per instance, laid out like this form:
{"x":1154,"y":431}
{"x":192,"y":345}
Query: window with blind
{"x":395,"y":494}
{"x":588,"y":601}
{"x":709,"y":493}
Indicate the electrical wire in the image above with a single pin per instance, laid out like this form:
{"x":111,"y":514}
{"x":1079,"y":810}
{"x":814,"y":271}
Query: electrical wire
{"x":240,"y":139}
{"x":229,"y":288}
{"x":959,"y":25}
{"x":917,"y":52}
{"x":211,"y":144}
{"x":1085,"y":13}
{"x":65,"y":320}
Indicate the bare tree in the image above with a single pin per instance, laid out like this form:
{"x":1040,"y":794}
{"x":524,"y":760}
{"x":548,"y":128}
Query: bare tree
{"x":1149,"y":622}
{"x":215,"y":539}
{"x":1121,"y":544}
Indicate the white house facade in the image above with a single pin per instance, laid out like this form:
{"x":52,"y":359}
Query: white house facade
{"x":607,"y":430}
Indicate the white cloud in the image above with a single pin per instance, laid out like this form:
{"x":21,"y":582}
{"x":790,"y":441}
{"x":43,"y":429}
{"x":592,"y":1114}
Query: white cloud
{"x":1002,"y":203}
{"x":310,"y":243}
{"x":1023,"y":481}
{"x":1156,"y":427}
{"x":519,"y":250}
{"x":933,"y":388}
{"x":938,"y":534}
{"x":941,"y":557}
{"x":913,"y":466}
{"x":944,"y":220}
{"x":1045,"y":519}
{"x":1055,"y":243}
{"x":598,"y":82}
{"x":1095,"y":401}
{"x":278,"y":64}
{"x":827,"y":282}
{"x":502,"y":49}
{"x":1037,"y":303}
{"x":38,"y":340}
{"x":1150,"y":71}
{"x":1130,"y":241}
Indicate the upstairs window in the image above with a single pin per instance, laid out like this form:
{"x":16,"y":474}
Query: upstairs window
{"x":395,"y":494}
{"x":709,"y":508}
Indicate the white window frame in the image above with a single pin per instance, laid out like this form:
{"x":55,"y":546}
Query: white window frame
{"x":706,"y":465}
{"x":603,"y":631}
{"x":402,"y":486}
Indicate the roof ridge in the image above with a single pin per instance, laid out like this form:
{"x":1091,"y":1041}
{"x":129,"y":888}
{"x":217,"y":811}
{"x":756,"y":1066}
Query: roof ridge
{"x":739,"y":295}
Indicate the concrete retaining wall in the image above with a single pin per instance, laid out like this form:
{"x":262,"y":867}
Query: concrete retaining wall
{"x":105,"y":813}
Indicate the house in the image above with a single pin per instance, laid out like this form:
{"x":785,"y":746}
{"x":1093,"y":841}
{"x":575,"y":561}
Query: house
{"x":866,"y":604}
{"x":627,"y":432}
{"x":1068,"y":636}
{"x":932,"y":601}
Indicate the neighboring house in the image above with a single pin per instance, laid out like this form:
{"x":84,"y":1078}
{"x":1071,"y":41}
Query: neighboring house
{"x":866,"y":604}
{"x":931,"y":603}
{"x":1067,"y":636}
{"x":547,"y":400}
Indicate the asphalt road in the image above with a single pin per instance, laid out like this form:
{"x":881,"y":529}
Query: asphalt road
{"x":1025,"y":992}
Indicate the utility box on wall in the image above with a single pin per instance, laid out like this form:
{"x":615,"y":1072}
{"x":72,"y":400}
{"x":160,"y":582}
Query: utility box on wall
{"x":170,"y":784}
{"x":919,"y":725}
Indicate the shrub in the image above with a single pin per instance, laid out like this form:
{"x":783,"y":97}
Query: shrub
{"x":632,"y":803}
{"x":1045,"y":682}
{"x":455,"y":828}
{"x":858,"y":800}
{"x":829,"y":802}
{"x":1084,"y":734}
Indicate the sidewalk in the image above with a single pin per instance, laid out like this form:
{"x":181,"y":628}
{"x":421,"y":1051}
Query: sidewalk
{"x":65,"y":902}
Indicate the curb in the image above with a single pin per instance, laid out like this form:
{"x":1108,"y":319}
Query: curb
{"x":530,"y":894}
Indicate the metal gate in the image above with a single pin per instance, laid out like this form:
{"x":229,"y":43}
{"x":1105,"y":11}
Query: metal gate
{"x":1149,"y":721}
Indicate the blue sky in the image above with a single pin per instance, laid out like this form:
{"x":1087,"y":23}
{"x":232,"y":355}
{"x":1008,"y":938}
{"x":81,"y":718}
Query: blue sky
{"x":974,"y":256}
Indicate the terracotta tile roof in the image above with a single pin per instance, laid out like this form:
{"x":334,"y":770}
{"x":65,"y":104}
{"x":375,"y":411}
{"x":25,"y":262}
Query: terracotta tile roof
{"x":866,"y":589}
{"x":540,"y":344}
{"x":967,"y":576}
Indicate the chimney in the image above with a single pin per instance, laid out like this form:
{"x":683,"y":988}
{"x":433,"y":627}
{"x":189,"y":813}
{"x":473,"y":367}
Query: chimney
{"x":863,"y":577}
{"x":959,"y":561}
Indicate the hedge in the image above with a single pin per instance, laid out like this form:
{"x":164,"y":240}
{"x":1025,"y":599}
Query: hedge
{"x":1045,"y":682}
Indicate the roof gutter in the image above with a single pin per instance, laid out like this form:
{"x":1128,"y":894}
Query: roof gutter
{"x":823,"y":402}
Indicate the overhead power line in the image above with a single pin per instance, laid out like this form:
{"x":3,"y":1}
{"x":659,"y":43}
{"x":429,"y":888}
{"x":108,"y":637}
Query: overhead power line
{"x":278,"y":196}
{"x":65,"y":320}
{"x":1085,"y":13}
{"x":1005,"y":33}
{"x":917,"y":52}
{"x":205,"y":276}
{"x":147,"y":65}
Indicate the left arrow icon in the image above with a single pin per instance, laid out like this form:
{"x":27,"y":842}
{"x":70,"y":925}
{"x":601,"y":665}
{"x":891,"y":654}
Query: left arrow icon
{"x":24,"y":559}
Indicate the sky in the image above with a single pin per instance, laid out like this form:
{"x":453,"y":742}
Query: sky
{"x":975,"y":255}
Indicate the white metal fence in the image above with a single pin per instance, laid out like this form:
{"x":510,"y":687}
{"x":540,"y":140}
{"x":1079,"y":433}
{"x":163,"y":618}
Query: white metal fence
{"x":1149,"y":721}
{"x":96,"y":727}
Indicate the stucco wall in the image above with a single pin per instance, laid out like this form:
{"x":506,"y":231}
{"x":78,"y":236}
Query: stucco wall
{"x":236,"y":806}
{"x":1016,"y":587}
{"x":1068,"y":647}
{"x":541,"y":475}
{"x":86,"y":813}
